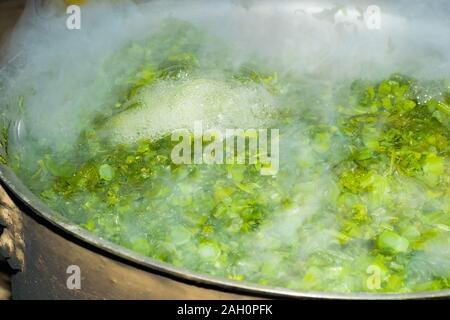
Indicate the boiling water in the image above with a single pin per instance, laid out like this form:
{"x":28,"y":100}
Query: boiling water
{"x":361,"y":201}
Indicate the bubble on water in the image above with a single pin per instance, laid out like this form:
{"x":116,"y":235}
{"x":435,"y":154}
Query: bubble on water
{"x":171,"y":105}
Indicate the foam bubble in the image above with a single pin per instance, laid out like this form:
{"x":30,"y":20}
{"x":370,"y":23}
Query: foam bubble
{"x":171,"y":105}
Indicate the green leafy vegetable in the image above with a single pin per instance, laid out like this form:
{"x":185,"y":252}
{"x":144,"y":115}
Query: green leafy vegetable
{"x":367,"y":187}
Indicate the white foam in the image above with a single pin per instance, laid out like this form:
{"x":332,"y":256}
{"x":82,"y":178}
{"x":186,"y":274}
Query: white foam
{"x":171,"y":105}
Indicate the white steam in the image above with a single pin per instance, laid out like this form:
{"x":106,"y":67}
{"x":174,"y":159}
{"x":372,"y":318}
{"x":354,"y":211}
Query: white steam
{"x":55,"y":72}
{"x":59,"y":67}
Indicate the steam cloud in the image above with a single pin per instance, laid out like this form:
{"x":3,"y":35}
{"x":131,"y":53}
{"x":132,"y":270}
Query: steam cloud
{"x":56,"y":70}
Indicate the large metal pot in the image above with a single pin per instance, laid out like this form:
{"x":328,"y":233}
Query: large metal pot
{"x":46,"y":251}
{"x":43,"y":249}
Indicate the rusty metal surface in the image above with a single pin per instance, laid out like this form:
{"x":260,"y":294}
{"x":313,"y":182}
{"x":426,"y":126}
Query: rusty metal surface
{"x":5,"y":285}
{"x":5,"y":281}
{"x":11,"y":239}
{"x":5,"y":236}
